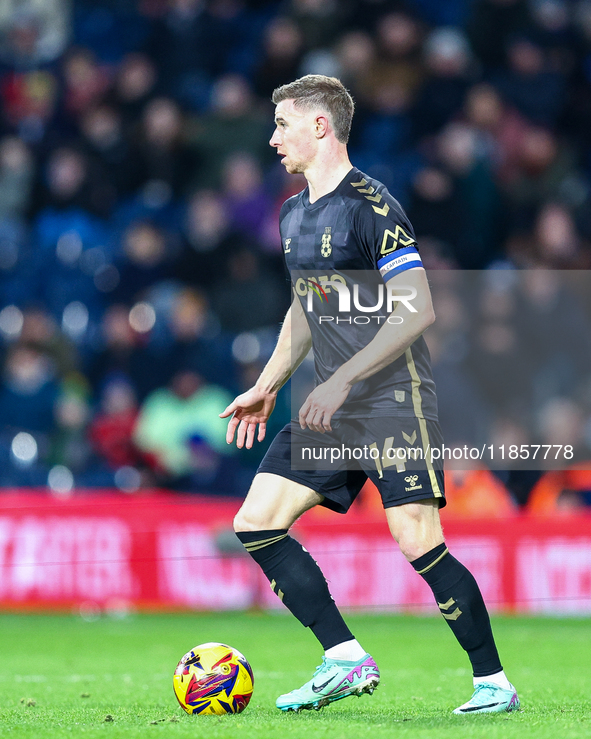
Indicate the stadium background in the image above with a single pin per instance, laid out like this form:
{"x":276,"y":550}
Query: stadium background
{"x":141,"y":280}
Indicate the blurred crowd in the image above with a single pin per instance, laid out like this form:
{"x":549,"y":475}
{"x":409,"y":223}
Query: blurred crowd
{"x":141,"y":275}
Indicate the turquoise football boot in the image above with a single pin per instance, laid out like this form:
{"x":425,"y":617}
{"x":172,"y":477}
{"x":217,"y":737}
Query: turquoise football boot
{"x":333,"y":680}
{"x":490,"y":698}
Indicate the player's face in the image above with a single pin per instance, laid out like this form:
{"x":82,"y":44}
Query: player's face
{"x":294,"y":137}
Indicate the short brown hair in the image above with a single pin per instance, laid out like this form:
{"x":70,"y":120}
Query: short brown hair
{"x":324,"y":93}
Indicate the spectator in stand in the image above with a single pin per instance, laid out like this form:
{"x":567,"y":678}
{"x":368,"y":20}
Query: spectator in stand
{"x":446,"y":341}
{"x":198,"y":345}
{"x":29,"y":105}
{"x":356,"y":54}
{"x":70,"y":183}
{"x":69,"y":446}
{"x":543,"y":299}
{"x":246,"y":199}
{"x":247,"y":283}
{"x":565,"y":491}
{"x":39,"y":330}
{"x":436,"y":207}
{"x":123,"y":352}
{"x":33,"y":34}
{"x":17,"y":170}
{"x":530,"y":83}
{"x":207,"y":238}
{"x":111,"y":429}
{"x":384,"y":129}
{"x":553,"y":242}
{"x":562,"y":492}
{"x":282,"y":53}
{"x":145,"y":260}
{"x":492,"y":24}
{"x":28,"y":391}
{"x":233,"y":124}
{"x":448,"y":62}
{"x":320,"y":21}
{"x":19,"y":279}
{"x":478,"y":225}
{"x":179,"y":426}
{"x":71,"y":239}
{"x":180,"y":46}
{"x":160,"y":160}
{"x":500,"y":129}
{"x":195,"y":42}
{"x":476,"y":493}
{"x":497,"y":354}
{"x":134,"y":85}
{"x":107,"y":150}
{"x":559,"y":246}
{"x":85,"y":81}
{"x":560,"y":421}
{"x":542,"y":170}
{"x":398,"y":61}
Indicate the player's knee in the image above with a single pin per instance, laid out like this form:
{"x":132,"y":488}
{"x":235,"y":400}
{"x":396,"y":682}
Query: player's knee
{"x":246,"y":520}
{"x":416,"y":527}
{"x":243,"y":523}
{"x":417,"y":543}
{"x":413,"y":549}
{"x":414,"y":541}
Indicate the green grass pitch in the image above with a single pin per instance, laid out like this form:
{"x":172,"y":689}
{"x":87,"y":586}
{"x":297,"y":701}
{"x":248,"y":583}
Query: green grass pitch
{"x":63,"y":677}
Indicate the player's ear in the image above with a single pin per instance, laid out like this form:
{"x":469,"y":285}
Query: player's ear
{"x":321,"y":126}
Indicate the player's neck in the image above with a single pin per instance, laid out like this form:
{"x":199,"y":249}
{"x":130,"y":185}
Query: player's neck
{"x":326,"y":173}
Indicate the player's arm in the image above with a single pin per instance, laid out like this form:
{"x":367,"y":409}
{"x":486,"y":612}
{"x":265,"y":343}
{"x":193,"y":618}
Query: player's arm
{"x":254,"y":407}
{"x":394,"y":338}
{"x":390,"y":342}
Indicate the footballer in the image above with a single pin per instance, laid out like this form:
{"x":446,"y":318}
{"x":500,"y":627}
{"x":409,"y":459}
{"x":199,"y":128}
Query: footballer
{"x":373,"y":382}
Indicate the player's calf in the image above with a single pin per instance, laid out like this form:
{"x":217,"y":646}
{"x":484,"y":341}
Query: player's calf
{"x":461,"y":604}
{"x":298,"y":582}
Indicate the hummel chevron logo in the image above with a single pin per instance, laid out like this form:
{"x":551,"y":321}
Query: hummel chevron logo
{"x":381,"y":211}
{"x":447,"y":606}
{"x":318,"y":688}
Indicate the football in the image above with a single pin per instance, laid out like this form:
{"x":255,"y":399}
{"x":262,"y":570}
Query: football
{"x":213,"y":678}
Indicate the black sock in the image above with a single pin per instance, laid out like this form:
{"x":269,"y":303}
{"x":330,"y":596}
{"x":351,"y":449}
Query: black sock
{"x":460,"y":602}
{"x":298,"y":581}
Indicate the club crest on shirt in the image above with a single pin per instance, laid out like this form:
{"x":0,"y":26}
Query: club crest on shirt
{"x":287,"y":247}
{"x":326,"y":247}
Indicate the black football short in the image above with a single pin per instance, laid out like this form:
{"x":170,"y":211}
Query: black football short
{"x":394,"y":453}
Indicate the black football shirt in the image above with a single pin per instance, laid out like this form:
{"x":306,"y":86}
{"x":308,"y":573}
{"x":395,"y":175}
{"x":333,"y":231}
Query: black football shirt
{"x":359,"y":236}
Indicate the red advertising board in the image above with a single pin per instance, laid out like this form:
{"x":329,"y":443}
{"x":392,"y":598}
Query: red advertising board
{"x":161,"y":551}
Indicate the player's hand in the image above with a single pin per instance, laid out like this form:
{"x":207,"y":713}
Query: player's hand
{"x":322,"y":403}
{"x":248,"y":410}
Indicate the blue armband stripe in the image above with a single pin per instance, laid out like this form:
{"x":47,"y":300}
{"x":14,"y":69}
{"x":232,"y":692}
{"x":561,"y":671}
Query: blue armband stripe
{"x":399,"y":261}
{"x":396,"y":254}
{"x":386,"y":275}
